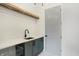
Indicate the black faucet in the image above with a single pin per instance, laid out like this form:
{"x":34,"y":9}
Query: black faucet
{"x":25,"y":35}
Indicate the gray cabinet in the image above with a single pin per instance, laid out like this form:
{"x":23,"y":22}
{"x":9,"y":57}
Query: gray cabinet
{"x":31,"y":48}
{"x":28,"y":49}
{"x":8,"y":51}
{"x":38,"y":46}
{"x":12,"y":51}
{"x":4,"y":52}
{"x":34,"y":47}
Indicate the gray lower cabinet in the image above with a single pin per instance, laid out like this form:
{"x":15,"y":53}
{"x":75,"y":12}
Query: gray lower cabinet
{"x":31,"y":48}
{"x":8,"y":51}
{"x":12,"y":51}
{"x":38,"y":46}
{"x":28,"y":49}
{"x":35,"y":47}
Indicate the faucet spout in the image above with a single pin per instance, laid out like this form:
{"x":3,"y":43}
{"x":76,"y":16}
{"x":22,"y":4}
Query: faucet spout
{"x":26,"y":33}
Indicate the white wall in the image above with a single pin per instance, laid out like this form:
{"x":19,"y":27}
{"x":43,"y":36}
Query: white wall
{"x":30,"y":7}
{"x":51,"y":5}
{"x":13,"y":24}
{"x":70,"y":29}
{"x":41,"y":22}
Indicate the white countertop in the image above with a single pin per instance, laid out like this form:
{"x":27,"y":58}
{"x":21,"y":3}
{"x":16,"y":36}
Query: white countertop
{"x":12,"y":42}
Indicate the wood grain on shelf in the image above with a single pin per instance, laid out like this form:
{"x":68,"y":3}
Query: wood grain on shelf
{"x":16,"y":8}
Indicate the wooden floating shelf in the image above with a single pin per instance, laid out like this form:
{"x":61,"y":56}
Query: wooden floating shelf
{"x":18,"y":9}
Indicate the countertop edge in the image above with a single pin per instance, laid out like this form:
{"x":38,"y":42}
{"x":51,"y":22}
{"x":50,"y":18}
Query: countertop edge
{"x":16,"y":43}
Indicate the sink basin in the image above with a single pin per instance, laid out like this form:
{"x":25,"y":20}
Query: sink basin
{"x":29,"y":38}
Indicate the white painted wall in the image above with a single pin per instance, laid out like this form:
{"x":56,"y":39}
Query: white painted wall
{"x":70,"y":29}
{"x":13,"y":24}
{"x":51,"y":5}
{"x":39,"y":10}
{"x":41,"y":22}
{"x":30,"y":7}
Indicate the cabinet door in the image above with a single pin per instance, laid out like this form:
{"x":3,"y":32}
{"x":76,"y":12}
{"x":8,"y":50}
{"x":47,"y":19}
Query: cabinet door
{"x":28,"y":49}
{"x":40,"y":45}
{"x":37,"y":46}
{"x":8,"y":51}
{"x":4,"y":52}
{"x":12,"y":51}
{"x":53,"y":30}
